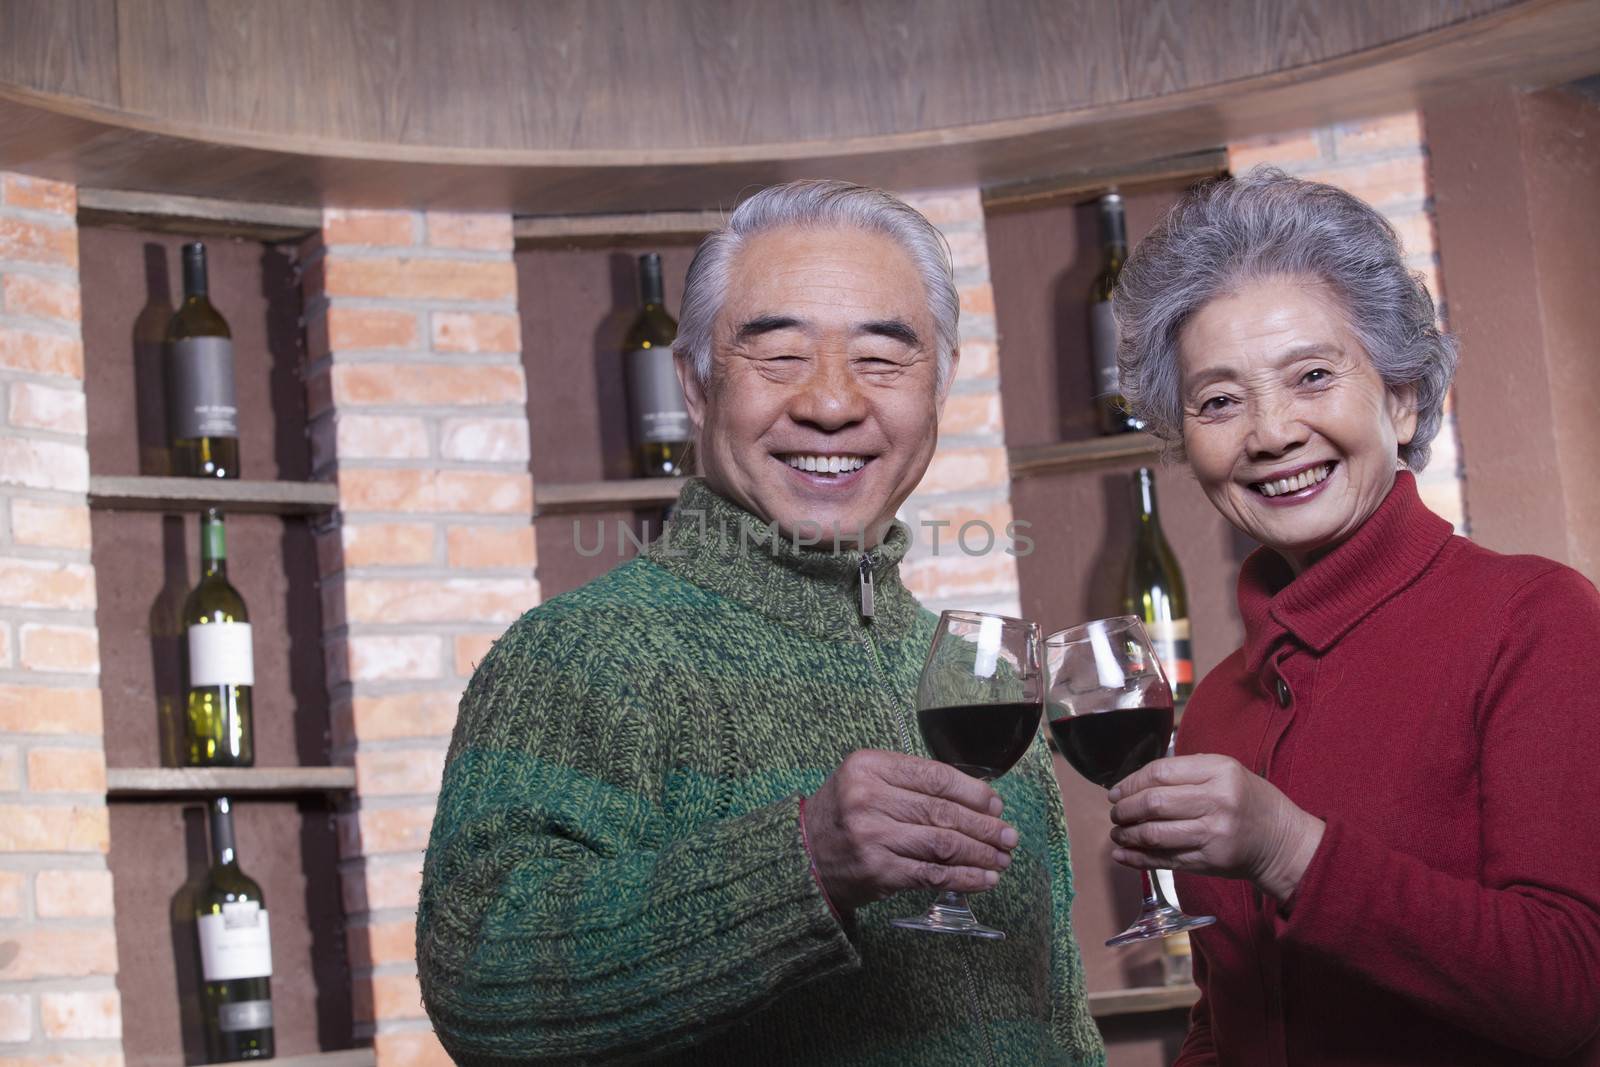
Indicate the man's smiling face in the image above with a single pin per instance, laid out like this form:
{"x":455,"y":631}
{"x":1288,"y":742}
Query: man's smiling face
{"x":823,"y":406}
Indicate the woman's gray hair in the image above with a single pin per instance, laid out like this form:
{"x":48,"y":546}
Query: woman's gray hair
{"x":816,"y":204}
{"x":1265,"y":224}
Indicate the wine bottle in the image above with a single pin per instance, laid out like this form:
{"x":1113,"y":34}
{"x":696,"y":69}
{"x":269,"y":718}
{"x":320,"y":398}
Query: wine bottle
{"x":658,"y":417}
{"x":1153,"y":590}
{"x":201,"y":407}
{"x":221,"y":668}
{"x":1112,"y":413}
{"x":235,"y":951}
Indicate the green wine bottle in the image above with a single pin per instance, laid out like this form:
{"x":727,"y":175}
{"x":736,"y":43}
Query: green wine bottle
{"x":658,"y":417}
{"x":235,"y":951}
{"x":221,"y":731}
{"x":1153,"y":590}
{"x":202,"y":410}
{"x":1111,"y":412}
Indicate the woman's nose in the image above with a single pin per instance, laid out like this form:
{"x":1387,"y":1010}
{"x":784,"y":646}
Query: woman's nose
{"x":1275,"y":428}
{"x":830,"y":398}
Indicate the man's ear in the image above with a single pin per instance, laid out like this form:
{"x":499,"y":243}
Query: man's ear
{"x":943,"y":392}
{"x":694,"y":391}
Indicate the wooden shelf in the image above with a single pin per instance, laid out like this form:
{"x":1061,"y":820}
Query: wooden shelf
{"x":601,"y":496}
{"x":1141,"y":1000}
{"x":350,"y":1057}
{"x":197,"y":494}
{"x":1085,"y":185}
{"x":148,"y":782}
{"x":1081,"y":455}
{"x":613,"y":227}
{"x":196,"y":215}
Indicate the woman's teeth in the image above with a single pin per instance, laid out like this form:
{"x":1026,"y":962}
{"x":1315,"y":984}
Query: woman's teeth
{"x":1303,"y":480}
{"x":827,"y":464}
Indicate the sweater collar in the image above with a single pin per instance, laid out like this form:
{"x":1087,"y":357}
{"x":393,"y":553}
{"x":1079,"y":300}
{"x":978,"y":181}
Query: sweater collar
{"x":718,"y":545}
{"x":1328,"y":598}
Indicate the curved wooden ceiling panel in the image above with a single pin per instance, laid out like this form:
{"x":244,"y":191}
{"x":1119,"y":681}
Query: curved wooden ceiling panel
{"x":559,"y":107}
{"x":629,"y":75}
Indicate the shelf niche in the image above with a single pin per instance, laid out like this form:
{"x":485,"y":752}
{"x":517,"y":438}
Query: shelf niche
{"x":578,"y":296}
{"x":145,"y":550}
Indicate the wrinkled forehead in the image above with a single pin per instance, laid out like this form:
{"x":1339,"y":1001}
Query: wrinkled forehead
{"x":827,"y":279}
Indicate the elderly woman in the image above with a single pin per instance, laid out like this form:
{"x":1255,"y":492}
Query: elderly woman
{"x":1389,"y":796}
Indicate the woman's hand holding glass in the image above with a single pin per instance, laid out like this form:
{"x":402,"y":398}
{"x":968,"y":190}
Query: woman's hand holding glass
{"x":1212,"y":815}
{"x":1111,"y":714}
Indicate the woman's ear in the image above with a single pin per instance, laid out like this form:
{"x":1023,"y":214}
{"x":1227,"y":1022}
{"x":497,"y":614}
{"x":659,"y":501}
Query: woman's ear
{"x":1402,"y":403}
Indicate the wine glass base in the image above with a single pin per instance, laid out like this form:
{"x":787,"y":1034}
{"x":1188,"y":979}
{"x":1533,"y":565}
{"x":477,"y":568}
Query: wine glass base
{"x":1160,"y":922}
{"x":943,"y":919}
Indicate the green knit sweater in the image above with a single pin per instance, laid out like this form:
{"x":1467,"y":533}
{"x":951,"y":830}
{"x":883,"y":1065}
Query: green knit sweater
{"x":617,"y":872}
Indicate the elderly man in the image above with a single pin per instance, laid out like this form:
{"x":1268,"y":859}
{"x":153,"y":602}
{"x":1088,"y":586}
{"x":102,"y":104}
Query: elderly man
{"x":679,"y":798}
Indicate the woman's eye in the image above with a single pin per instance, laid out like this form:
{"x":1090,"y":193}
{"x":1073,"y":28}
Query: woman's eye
{"x":1213,"y":404}
{"x":1316,"y":376}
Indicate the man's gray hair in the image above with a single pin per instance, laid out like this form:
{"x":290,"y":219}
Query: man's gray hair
{"x":816,"y":204}
{"x":1267,"y":224}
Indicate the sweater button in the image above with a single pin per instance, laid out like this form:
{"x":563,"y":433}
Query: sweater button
{"x":1284,"y":696}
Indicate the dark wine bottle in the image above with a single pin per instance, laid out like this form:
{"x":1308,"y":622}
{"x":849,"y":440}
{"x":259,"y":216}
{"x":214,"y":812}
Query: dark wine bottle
{"x":658,"y":417}
{"x":1112,"y":413}
{"x":201,"y":406}
{"x":235,"y":951}
{"x":1153,"y":590}
{"x":221,"y":666}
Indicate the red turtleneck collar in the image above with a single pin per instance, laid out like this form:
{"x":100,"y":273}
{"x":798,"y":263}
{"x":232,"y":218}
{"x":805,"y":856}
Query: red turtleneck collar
{"x":1328,"y":598}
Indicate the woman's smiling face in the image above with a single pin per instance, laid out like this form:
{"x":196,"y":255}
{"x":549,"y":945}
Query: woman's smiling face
{"x":1288,"y":427}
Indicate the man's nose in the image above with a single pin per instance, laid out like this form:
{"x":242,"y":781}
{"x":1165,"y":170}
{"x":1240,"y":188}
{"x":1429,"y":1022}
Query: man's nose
{"x":1275,"y":427}
{"x":830,"y":398}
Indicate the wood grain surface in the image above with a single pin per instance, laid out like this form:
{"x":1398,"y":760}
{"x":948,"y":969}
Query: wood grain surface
{"x":552,"y":109}
{"x":640,"y":74}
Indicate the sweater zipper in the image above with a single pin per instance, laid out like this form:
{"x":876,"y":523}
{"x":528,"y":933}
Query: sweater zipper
{"x":868,"y":607}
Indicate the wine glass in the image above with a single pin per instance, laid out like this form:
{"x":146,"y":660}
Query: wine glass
{"x":978,"y":705}
{"x":1110,"y":711}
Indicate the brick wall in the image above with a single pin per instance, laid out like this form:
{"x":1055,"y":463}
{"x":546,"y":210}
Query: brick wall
{"x":58,"y":953}
{"x":1384,"y":161}
{"x":967,"y":490}
{"x":416,"y":396}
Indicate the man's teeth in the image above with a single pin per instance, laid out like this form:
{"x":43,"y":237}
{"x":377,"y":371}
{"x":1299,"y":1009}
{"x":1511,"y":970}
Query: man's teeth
{"x":1303,"y":480}
{"x":827,"y":464}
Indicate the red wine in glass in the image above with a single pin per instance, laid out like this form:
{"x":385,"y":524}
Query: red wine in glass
{"x":979,"y":702}
{"x":1107,"y":748}
{"x":1110,"y":710}
{"x":983,"y":740}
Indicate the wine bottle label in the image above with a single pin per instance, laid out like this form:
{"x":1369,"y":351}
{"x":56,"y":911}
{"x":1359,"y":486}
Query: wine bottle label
{"x":1171,"y":642}
{"x":236,"y":943}
{"x":1103,"y":338}
{"x":219,"y":654}
{"x":245,"y":1015}
{"x":1177,"y":944}
{"x":655,"y":399}
{"x":200,"y":388}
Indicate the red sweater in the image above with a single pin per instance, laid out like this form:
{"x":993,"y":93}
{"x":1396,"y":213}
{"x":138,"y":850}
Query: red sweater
{"x":1436,"y":704}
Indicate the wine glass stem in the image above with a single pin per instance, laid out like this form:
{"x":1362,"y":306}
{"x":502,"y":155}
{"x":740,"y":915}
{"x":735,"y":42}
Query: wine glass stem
{"x":1155,"y":898}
